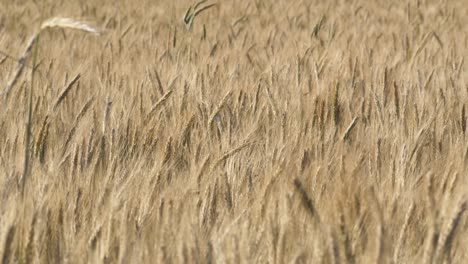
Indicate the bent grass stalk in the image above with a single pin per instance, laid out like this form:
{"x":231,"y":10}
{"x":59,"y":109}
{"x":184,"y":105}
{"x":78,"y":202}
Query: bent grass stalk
{"x":61,"y":22}
{"x":193,"y":12}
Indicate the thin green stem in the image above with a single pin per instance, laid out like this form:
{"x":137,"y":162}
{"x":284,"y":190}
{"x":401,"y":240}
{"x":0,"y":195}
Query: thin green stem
{"x":27,"y":155}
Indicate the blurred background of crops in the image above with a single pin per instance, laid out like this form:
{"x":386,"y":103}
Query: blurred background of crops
{"x":270,"y":131}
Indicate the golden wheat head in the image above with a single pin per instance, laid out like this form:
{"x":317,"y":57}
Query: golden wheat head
{"x":65,"y":22}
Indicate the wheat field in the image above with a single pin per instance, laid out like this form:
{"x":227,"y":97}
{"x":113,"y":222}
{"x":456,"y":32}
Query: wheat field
{"x":234,"y":131}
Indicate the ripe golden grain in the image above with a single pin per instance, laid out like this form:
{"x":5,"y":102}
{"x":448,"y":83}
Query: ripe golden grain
{"x":270,"y":131}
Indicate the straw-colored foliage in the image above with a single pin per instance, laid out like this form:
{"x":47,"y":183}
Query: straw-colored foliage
{"x":259,"y":132}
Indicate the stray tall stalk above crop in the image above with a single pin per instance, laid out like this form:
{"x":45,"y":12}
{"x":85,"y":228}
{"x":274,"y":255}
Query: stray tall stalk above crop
{"x":61,"y":22}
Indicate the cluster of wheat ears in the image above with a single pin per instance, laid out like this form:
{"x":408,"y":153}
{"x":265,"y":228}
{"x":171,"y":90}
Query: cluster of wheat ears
{"x":261,"y":132}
